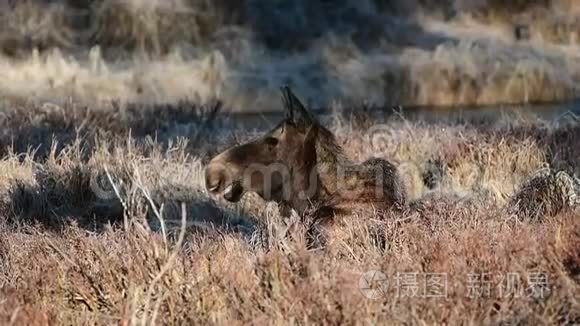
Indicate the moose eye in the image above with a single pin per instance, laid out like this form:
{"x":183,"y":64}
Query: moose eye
{"x":271,"y":141}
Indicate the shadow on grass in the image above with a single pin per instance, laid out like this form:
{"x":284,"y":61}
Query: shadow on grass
{"x":57,"y":201}
{"x":40,"y":127}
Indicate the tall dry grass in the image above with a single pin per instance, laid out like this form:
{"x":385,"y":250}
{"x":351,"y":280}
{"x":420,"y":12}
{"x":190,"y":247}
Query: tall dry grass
{"x":91,"y":229}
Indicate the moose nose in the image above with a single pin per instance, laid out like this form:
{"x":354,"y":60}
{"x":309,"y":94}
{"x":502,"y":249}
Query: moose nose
{"x":213,"y":181}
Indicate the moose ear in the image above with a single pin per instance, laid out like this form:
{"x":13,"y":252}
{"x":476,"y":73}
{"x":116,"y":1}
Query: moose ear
{"x":295,"y":108}
{"x":287,"y":103}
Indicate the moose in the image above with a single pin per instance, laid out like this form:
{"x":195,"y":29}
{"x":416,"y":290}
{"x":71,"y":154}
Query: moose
{"x":300,"y":165}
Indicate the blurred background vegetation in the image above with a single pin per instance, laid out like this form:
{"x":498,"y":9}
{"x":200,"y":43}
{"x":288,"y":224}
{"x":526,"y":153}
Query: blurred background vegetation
{"x":388,"y":52}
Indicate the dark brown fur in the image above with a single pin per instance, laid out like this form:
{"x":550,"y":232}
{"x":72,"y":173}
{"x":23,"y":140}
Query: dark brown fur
{"x":310,"y":170}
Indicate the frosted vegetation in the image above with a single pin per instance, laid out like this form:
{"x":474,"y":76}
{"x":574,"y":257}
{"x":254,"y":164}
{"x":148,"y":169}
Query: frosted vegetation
{"x":387,"y":52}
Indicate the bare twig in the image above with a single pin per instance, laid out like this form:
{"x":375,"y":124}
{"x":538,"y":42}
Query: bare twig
{"x":118,"y":194}
{"x":169,"y":263}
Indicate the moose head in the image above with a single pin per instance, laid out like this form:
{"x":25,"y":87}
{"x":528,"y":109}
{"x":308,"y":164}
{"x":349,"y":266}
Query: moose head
{"x":278,"y":166}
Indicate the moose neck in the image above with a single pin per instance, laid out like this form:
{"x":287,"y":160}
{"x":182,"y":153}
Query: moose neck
{"x":329,"y":157}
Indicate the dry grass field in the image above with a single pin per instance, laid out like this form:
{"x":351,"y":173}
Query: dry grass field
{"x":109,"y":115}
{"x":157,"y":249}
